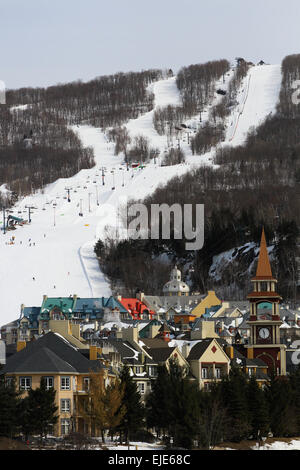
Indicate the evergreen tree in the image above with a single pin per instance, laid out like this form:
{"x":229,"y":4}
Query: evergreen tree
{"x":9,"y":400}
{"x":183,"y":406}
{"x":279,"y":395}
{"x":172,"y":406}
{"x":212,"y":419}
{"x":295,"y":385}
{"x":133,"y":418}
{"x":39,"y":411}
{"x":258,"y":409}
{"x":158,"y":411}
{"x":233,"y":392}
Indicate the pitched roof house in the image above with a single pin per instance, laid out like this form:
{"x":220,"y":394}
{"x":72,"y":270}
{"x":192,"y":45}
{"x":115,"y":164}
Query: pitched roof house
{"x":65,"y":369}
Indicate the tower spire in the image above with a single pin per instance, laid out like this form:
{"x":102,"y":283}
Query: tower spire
{"x":263,"y":270}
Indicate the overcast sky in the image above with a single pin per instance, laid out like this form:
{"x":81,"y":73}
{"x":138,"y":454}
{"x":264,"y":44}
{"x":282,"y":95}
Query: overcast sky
{"x":44,"y":42}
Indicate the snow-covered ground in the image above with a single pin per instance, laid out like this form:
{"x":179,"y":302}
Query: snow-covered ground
{"x":54,"y":255}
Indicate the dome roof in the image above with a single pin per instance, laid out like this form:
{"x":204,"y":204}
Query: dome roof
{"x":175,"y":284}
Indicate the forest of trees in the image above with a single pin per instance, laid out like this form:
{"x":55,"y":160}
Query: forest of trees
{"x":37,"y":145}
{"x":196,"y":84}
{"x":233,"y":410}
{"x":213,"y":130}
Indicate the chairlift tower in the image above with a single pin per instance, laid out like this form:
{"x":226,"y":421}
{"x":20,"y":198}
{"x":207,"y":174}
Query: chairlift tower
{"x":29,"y":212}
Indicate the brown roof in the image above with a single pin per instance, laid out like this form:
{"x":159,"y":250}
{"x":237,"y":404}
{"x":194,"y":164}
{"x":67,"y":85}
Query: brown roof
{"x":160,"y":354}
{"x":154,"y":343}
{"x":263,"y":270}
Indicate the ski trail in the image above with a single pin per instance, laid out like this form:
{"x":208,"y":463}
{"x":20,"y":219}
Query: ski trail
{"x":260,"y":101}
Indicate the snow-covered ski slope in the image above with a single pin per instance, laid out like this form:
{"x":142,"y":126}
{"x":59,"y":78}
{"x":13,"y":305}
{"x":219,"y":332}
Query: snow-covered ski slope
{"x":54,"y":255}
{"x":257,"y":99}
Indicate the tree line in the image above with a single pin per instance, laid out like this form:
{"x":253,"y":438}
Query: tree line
{"x":213,"y":131}
{"x":196,"y":84}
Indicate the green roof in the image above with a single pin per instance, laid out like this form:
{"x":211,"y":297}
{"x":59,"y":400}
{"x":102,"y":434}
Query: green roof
{"x":64,"y":304}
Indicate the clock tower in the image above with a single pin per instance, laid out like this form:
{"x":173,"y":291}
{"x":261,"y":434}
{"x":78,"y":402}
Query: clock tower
{"x":264,"y":318}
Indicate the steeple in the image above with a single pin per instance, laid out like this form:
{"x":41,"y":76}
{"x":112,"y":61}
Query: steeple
{"x":264,"y":284}
{"x":263,"y":270}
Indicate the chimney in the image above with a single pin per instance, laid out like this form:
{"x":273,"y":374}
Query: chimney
{"x":130,"y":335}
{"x":206,"y":330}
{"x":153,"y":330}
{"x":93,"y":353}
{"x":21,"y":345}
{"x":229,"y":352}
{"x":250,"y":353}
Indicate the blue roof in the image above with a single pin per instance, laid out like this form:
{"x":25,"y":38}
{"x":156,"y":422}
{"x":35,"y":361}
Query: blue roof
{"x":32,"y":313}
{"x":89,"y":305}
{"x":114,"y":303}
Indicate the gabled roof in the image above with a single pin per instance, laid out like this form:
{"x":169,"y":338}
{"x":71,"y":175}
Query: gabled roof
{"x":49,"y":353}
{"x":125,"y":349}
{"x":199,"y":349}
{"x":160,"y":354}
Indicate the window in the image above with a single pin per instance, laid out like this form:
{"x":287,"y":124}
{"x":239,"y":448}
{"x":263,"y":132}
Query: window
{"x":65,"y":383}
{"x":9,"y":381}
{"x":25,"y":383}
{"x":141,"y":387}
{"x":218,"y":372}
{"x":65,"y":405}
{"x":86,"y":383}
{"x":65,"y":426}
{"x":204,"y":373}
{"x":138,"y":370}
{"x":49,"y":382}
{"x":153,"y":371}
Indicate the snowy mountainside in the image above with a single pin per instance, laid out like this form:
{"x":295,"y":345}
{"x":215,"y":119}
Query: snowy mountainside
{"x":243,"y":257}
{"x":54,"y":255}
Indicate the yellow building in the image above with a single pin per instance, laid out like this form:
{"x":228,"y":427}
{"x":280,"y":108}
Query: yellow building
{"x":63,"y":368}
{"x":210,"y":300}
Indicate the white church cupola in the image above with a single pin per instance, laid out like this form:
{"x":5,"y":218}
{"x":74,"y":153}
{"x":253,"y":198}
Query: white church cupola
{"x":175,"y":286}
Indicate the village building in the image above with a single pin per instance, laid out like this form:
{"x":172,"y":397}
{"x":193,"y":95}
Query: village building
{"x":64,"y":368}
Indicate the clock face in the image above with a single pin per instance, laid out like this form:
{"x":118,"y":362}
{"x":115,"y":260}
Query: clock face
{"x":264,"y":333}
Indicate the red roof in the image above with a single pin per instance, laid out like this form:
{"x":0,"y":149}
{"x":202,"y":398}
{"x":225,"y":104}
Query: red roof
{"x":135,"y":307}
